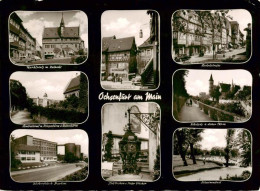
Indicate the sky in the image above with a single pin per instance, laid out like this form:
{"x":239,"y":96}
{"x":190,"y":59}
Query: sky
{"x":243,"y":17}
{"x":76,"y":136}
{"x":198,"y":80}
{"x":38,"y":83}
{"x":125,"y":24}
{"x":35,"y":21}
{"x":212,"y":138}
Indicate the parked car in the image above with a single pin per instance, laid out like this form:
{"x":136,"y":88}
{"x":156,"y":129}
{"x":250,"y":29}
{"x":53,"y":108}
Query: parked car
{"x":182,"y":58}
{"x":23,"y":59}
{"x":221,"y":52}
{"x":35,"y":58}
{"x":137,"y":80}
{"x":110,"y":78}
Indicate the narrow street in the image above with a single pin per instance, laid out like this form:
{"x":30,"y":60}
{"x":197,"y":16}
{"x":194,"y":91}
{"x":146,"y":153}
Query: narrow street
{"x":52,"y":173}
{"x":22,"y":117}
{"x":219,"y":57}
{"x":193,"y":114}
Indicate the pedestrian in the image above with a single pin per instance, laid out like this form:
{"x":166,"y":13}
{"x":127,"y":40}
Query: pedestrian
{"x":190,"y":102}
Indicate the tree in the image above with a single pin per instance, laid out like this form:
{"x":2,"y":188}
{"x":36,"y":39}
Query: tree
{"x":192,"y":137}
{"x":81,"y":52}
{"x":14,"y":162}
{"x":244,"y":141}
{"x":229,"y":144}
{"x":182,"y":144}
{"x":179,"y":83}
{"x":83,"y":93}
{"x":215,"y":93}
{"x":18,"y":95}
{"x":108,"y":146}
{"x":70,"y":157}
{"x":157,"y":164}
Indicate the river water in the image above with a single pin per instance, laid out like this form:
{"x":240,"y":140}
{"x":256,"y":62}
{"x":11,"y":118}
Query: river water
{"x":211,"y":175}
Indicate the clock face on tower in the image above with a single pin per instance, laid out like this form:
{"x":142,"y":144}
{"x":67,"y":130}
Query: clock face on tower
{"x":135,"y":122}
{"x":131,"y":147}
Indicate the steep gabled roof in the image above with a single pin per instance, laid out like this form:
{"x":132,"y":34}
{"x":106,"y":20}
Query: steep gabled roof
{"x":69,"y":32}
{"x":73,"y":85}
{"x":106,"y":42}
{"x":225,"y":87}
{"x":117,"y":45}
{"x":146,"y":44}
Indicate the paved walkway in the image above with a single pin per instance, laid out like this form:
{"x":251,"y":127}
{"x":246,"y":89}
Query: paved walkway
{"x":193,"y":114}
{"x":22,"y":117}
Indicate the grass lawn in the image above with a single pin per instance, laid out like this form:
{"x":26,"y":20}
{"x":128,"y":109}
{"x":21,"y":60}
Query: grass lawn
{"x":178,"y":167}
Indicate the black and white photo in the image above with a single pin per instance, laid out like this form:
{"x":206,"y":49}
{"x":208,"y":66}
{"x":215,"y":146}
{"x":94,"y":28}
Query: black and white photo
{"x":211,"y":36}
{"x":48,"y":155}
{"x":48,"y":37}
{"x":130,"y":50}
{"x":212,"y":154}
{"x":212,"y":95}
{"x":131,"y":142}
{"x":48,"y":97}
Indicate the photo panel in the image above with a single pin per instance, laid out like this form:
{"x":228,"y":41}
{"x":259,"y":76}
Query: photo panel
{"x":48,"y":155}
{"x":48,"y":37}
{"x":48,"y":97}
{"x":131,"y":141}
{"x":212,"y":95}
{"x":211,"y":36}
{"x":201,"y":154}
{"x":130,"y":50}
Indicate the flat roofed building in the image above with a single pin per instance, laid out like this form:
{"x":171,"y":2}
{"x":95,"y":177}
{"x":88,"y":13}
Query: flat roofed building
{"x":47,"y":149}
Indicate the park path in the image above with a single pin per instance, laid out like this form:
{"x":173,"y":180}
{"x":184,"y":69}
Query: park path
{"x":22,"y":117}
{"x":193,"y":114}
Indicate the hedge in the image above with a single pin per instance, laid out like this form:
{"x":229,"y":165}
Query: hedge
{"x":59,"y":115}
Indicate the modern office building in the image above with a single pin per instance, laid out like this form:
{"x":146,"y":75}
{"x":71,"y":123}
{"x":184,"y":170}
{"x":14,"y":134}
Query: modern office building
{"x":31,"y":149}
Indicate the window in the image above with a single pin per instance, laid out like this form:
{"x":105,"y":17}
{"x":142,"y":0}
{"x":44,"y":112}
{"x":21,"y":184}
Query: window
{"x":23,"y":158}
{"x":148,"y":52}
{"x":47,"y":46}
{"x":33,"y":158}
{"x":23,"y":152}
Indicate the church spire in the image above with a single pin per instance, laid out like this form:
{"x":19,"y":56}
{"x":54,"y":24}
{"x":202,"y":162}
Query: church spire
{"x":62,"y":21}
{"x":211,"y":78}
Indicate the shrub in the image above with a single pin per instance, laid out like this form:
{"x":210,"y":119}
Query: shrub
{"x":205,"y":109}
{"x":77,"y":176}
{"x":60,"y":115}
{"x":213,"y":114}
{"x":244,"y":176}
{"x":80,"y":59}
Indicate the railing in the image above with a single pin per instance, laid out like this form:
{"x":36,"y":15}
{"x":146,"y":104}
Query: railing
{"x":147,"y":71}
{"x":218,"y":114}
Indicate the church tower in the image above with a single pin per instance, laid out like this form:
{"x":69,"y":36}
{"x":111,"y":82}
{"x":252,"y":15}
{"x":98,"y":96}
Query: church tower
{"x":62,"y":26}
{"x":211,"y":83}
